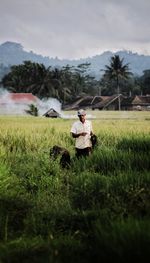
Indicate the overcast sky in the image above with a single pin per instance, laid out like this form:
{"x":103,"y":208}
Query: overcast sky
{"x":76,"y":28}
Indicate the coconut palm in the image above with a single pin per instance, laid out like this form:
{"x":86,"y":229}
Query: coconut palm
{"x":33,"y":110}
{"x":116,"y":71}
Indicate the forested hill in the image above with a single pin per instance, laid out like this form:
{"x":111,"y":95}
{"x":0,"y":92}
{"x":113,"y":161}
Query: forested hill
{"x":12,"y":53}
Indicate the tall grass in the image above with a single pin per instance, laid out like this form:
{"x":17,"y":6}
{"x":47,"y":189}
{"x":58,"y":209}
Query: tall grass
{"x":99,"y":208}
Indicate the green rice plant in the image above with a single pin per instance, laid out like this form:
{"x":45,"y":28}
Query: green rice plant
{"x":132,"y":189}
{"x":26,"y":250}
{"x":13,"y":204}
{"x":10,"y":184}
{"x":13,"y":213}
{"x":47,"y":211}
{"x":140,"y":143}
{"x":38,"y":250}
{"x":121,"y":241}
{"x":89,"y":189}
{"x":48,"y":215}
{"x":135,"y":179}
{"x":34,"y":170}
{"x":106,"y":159}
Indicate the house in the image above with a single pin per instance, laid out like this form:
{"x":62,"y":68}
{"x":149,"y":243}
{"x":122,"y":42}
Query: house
{"x":108,"y":103}
{"x":111,"y":103}
{"x":83,"y":102}
{"x":51,"y":113}
{"x":16,"y":103}
{"x":26,"y":98}
{"x":96,"y":102}
{"x":136,"y":103}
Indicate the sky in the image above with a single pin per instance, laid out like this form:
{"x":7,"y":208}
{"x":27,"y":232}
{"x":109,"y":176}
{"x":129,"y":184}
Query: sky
{"x":74,"y":29}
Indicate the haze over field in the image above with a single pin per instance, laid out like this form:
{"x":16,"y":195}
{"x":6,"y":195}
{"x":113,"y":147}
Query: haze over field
{"x":9,"y":107}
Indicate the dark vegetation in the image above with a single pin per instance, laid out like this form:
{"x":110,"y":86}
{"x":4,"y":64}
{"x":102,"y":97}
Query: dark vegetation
{"x":67,"y":83}
{"x":96,"y":211}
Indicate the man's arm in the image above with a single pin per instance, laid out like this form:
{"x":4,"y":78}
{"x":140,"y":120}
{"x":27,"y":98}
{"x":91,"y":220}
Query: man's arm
{"x":75,"y":135}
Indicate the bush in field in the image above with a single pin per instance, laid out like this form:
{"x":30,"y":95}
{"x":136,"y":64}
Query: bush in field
{"x":33,"y":110}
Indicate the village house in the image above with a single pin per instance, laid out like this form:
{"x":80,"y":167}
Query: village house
{"x":96,"y":103}
{"x":83,"y":102}
{"x":110,"y":103}
{"x":51,"y":113}
{"x":136,"y":103}
{"x":16,"y":103}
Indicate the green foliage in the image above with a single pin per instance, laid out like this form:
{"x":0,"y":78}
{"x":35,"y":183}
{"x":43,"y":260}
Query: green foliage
{"x":145,"y":82}
{"x":65,"y":83}
{"x":33,"y":110}
{"x":115,"y":73}
{"x":122,"y":241}
{"x":135,"y":144}
{"x":68,"y":82}
{"x":14,"y":204}
{"x":99,"y":208}
{"x":117,"y":68}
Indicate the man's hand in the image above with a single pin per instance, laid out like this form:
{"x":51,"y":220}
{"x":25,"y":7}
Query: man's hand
{"x":74,"y":135}
{"x":83,"y":133}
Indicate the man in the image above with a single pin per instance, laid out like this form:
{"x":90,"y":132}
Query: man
{"x":82,"y":130}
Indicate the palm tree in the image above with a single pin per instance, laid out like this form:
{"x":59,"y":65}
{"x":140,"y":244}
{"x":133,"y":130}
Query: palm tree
{"x":116,"y":71}
{"x":33,"y":110}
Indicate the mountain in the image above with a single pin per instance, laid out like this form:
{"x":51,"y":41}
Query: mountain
{"x":12,"y":53}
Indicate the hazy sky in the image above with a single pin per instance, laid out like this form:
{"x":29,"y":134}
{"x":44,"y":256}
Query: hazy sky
{"x":76,"y":28}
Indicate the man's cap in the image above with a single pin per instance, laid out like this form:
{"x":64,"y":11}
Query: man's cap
{"x":81,"y":112}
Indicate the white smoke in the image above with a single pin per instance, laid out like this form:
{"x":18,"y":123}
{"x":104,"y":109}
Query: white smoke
{"x":45,"y":105}
{"x":8,"y":106}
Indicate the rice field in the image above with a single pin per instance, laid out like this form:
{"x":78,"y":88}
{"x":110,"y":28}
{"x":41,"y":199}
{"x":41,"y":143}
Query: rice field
{"x":98,"y":209}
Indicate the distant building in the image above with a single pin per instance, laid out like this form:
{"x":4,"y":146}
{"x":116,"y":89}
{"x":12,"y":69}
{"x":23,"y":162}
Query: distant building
{"x":136,"y":103}
{"x":51,"y":113}
{"x":95,"y":102}
{"x":16,"y":103}
{"x":110,"y":103}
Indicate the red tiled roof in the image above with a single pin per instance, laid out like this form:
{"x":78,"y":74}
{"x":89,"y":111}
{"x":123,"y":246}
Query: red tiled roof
{"x":22,"y":96}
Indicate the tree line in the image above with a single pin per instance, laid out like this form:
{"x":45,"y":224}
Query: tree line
{"x":68,"y":83}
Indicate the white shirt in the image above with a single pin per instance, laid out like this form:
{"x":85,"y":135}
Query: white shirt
{"x":82,"y":141}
